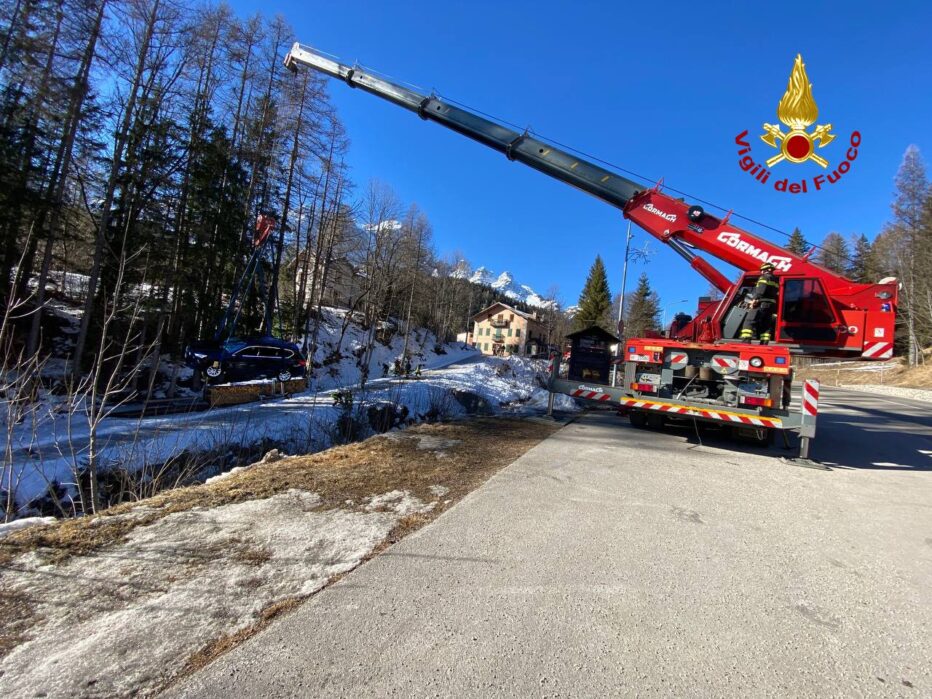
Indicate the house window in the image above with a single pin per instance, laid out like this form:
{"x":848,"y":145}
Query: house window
{"x":509,"y":332}
{"x":486,"y":346}
{"x":517,"y":332}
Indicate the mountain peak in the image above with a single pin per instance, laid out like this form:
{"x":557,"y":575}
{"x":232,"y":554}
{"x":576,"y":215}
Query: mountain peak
{"x":505,"y":284}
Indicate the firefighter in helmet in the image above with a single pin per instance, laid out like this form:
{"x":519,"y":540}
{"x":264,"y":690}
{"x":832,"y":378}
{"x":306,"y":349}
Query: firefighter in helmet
{"x":761,"y":302}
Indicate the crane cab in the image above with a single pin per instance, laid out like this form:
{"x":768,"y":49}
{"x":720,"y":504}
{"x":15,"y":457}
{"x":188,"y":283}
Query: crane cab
{"x":808,"y":318}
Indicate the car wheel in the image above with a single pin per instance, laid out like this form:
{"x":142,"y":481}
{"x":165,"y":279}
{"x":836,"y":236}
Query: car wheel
{"x":213,"y":372}
{"x":284,"y":375}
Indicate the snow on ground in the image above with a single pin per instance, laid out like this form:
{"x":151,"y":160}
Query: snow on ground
{"x":563,"y":402}
{"x":124,"y":620}
{"x":304,"y":423}
{"x":897,"y":391}
{"x":339,"y":351}
{"x":401,"y":502}
{"x":8,"y":528}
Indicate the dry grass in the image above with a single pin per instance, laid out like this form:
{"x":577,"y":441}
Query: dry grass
{"x":17,"y":612}
{"x":894,"y":374}
{"x":352,"y":472}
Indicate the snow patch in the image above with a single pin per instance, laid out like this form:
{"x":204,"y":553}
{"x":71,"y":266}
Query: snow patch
{"x":561,"y":401}
{"x":9,"y":527}
{"x":401,"y":502}
{"x":124,"y":620}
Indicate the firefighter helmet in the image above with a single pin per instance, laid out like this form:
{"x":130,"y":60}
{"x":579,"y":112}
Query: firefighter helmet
{"x":767,"y":267}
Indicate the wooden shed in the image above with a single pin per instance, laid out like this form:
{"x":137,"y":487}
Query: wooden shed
{"x":591,"y":354}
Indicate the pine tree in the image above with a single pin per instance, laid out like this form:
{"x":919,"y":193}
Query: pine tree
{"x":863,"y":267}
{"x":797,"y":243}
{"x":833,"y":253}
{"x":595,"y":301}
{"x":642,"y":309}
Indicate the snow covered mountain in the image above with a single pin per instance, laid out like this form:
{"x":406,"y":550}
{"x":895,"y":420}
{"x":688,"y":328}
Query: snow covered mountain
{"x":504,"y":283}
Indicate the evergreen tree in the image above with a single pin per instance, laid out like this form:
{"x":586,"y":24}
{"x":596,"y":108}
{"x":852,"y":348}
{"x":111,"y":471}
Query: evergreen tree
{"x":595,"y":301}
{"x":863,"y":267}
{"x":797,"y":243}
{"x":642,"y":309}
{"x":834,"y":253}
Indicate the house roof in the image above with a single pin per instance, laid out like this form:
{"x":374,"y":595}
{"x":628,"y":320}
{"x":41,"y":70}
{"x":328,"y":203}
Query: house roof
{"x":505,"y":306}
{"x":595,"y":330}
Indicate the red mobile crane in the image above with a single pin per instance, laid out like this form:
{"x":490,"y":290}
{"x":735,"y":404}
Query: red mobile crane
{"x":699,"y":371}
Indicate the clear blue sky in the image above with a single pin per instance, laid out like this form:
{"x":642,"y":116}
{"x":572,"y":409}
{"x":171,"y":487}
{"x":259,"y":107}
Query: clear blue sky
{"x":660,"y":88}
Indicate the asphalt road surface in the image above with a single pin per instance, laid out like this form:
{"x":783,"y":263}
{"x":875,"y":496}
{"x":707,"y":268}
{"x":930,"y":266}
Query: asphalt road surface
{"x":610,"y":560}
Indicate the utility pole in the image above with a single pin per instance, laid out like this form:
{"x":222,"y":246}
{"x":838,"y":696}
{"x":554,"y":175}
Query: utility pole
{"x":621,"y":302}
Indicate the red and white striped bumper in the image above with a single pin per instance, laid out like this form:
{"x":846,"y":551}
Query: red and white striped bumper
{"x":720,"y":415}
{"x":590,"y":395}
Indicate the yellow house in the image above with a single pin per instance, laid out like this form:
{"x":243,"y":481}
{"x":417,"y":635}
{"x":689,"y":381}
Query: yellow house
{"x":501,"y":330}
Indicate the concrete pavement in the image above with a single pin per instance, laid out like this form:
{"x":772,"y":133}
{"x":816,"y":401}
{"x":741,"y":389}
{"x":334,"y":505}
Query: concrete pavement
{"x":610,"y":560}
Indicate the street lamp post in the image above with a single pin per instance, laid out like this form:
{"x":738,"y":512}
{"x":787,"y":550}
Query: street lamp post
{"x":621,"y":301}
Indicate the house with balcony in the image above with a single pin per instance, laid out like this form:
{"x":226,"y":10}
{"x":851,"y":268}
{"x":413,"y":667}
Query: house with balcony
{"x":502,"y":331}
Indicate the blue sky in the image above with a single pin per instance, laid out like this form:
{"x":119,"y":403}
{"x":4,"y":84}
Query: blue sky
{"x":659,"y":88}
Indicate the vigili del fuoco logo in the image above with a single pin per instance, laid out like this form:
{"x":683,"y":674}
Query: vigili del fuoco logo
{"x":797,"y":110}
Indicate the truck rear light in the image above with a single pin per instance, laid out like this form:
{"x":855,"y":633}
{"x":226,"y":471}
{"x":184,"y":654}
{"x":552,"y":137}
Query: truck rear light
{"x":757,"y":400}
{"x":302,"y":362}
{"x":644,"y":387}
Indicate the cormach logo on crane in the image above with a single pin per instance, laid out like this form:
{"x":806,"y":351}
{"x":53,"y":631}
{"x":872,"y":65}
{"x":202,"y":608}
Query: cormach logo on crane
{"x":797,"y":110}
{"x":733,"y":239}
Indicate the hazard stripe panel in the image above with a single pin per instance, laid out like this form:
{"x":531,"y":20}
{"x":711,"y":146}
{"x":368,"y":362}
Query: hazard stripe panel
{"x":590,"y":395}
{"x":811,"y":397}
{"x":702,"y":412}
{"x":878,"y":350}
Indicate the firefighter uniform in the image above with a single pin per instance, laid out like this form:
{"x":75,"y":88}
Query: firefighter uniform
{"x":761,"y":302}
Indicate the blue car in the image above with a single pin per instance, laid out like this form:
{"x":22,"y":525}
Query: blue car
{"x":246,"y":359}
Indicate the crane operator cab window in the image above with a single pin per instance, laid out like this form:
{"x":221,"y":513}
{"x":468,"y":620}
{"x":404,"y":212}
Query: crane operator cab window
{"x":805,"y":313}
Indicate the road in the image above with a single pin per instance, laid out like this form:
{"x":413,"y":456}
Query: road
{"x":610,"y":560}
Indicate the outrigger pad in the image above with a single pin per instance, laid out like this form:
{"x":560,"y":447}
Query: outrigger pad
{"x":805,"y":463}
